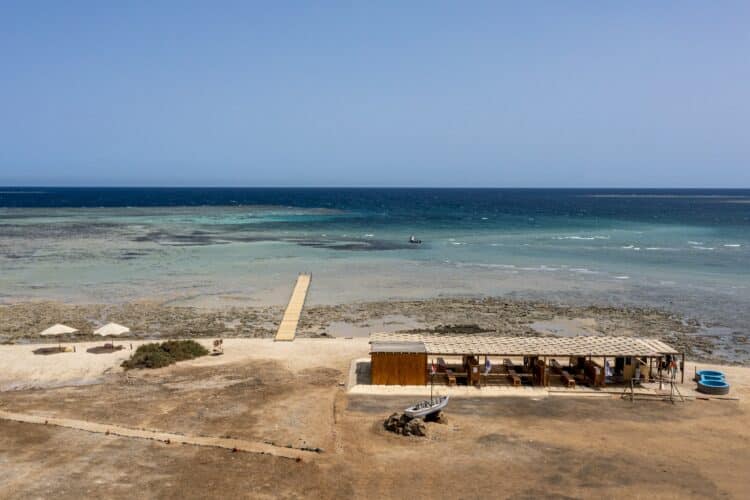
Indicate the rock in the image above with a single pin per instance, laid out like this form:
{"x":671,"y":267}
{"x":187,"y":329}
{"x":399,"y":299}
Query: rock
{"x":415,"y":427}
{"x":392,"y":423}
{"x":399,"y":423}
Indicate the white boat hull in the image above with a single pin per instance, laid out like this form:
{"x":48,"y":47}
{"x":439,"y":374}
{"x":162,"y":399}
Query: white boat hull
{"x":425,"y":408}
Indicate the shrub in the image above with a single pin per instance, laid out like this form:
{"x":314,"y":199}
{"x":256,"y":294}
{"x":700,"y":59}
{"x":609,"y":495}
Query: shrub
{"x":164,"y":354}
{"x":181,"y":350}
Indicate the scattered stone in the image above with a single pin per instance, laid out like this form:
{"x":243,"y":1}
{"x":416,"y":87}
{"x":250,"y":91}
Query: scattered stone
{"x":401,"y":424}
{"x":415,"y":427}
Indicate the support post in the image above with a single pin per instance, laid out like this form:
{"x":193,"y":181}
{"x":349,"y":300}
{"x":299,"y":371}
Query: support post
{"x":682,"y":369}
{"x":658,"y":361}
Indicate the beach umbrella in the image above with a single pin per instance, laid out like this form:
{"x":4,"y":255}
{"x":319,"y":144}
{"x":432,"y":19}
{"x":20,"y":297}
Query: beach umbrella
{"x":111,"y":329}
{"x":57,"y":330}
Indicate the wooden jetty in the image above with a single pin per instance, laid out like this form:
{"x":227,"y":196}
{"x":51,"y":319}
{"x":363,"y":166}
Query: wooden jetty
{"x":288,"y":327}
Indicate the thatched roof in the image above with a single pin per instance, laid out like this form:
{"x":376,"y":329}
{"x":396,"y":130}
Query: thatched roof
{"x":519,"y":346}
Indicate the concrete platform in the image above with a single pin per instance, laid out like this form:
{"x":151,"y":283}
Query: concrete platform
{"x":359,"y":384}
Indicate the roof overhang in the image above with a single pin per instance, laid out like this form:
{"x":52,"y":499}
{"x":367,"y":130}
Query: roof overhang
{"x":478,"y":344}
{"x":399,"y":347}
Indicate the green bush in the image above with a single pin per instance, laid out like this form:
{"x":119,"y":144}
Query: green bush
{"x":181,"y":350}
{"x":164,"y":354}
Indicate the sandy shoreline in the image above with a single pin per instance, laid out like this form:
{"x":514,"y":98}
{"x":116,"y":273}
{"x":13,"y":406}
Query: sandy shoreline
{"x":293,"y":395}
{"x":22,"y":369}
{"x":21,"y":322}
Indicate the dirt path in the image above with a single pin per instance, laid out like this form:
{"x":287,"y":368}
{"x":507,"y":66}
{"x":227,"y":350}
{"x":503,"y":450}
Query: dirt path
{"x":165,"y":437}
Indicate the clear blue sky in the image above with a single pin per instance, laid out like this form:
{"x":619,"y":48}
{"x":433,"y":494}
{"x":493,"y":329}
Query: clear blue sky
{"x":559,"y":93}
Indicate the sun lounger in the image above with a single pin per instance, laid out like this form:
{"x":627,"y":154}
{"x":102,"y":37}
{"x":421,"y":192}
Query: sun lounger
{"x":567,"y":379}
{"x":514,"y":378}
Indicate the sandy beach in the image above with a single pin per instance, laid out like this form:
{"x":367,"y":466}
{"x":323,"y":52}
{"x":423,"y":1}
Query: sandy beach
{"x":295,"y":395}
{"x":243,"y":424}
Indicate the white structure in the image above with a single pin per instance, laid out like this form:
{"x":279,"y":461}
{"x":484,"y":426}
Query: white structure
{"x":57,"y":329}
{"x":111,"y":329}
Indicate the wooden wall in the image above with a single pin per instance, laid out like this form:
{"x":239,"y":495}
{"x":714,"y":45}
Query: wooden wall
{"x":393,"y":368}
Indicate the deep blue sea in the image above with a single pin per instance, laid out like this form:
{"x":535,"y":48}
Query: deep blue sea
{"x":725,"y":207}
{"x":687,"y":250}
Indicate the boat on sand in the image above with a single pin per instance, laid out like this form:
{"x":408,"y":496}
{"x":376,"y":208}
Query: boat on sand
{"x":427,"y":407}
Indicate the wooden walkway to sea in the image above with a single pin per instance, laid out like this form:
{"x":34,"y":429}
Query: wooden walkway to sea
{"x":288,"y":327}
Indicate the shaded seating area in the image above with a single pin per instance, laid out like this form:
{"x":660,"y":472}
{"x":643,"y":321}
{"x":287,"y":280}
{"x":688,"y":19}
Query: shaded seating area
{"x":57,"y":331}
{"x":492,"y":360}
{"x":111,"y":330}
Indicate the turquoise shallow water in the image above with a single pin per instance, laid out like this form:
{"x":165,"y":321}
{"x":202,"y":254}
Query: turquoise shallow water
{"x":684,"y":250}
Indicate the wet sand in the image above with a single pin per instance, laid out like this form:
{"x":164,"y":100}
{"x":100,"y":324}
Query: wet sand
{"x":21,"y":322}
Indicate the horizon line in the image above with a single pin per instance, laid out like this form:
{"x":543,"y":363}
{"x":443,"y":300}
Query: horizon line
{"x":223,"y":186}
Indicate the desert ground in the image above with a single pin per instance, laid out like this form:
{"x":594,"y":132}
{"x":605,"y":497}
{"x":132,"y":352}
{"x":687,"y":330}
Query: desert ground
{"x":295,"y":395}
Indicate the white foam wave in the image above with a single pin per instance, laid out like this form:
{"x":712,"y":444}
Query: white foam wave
{"x":539,"y":268}
{"x":509,"y":267}
{"x":732,"y":245}
{"x":484,"y":265}
{"x":695,"y":242}
{"x":576,"y":237}
{"x":583,"y":270}
{"x":622,"y":277}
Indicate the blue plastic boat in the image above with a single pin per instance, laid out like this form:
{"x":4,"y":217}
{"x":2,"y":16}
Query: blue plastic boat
{"x":714,"y":387}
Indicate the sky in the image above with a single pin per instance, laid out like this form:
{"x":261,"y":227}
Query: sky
{"x":488,"y":94}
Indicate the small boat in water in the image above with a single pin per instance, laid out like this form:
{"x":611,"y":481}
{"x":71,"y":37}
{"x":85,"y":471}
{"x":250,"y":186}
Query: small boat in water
{"x":427,"y":407}
{"x":414,"y":241}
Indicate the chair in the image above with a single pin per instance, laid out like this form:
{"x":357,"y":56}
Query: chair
{"x":555,"y":365}
{"x":567,"y":379}
{"x":442,"y":366}
{"x":515,"y":380}
{"x":451,"y":376}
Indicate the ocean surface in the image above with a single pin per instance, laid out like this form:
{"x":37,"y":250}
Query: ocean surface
{"x":684,"y":250}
